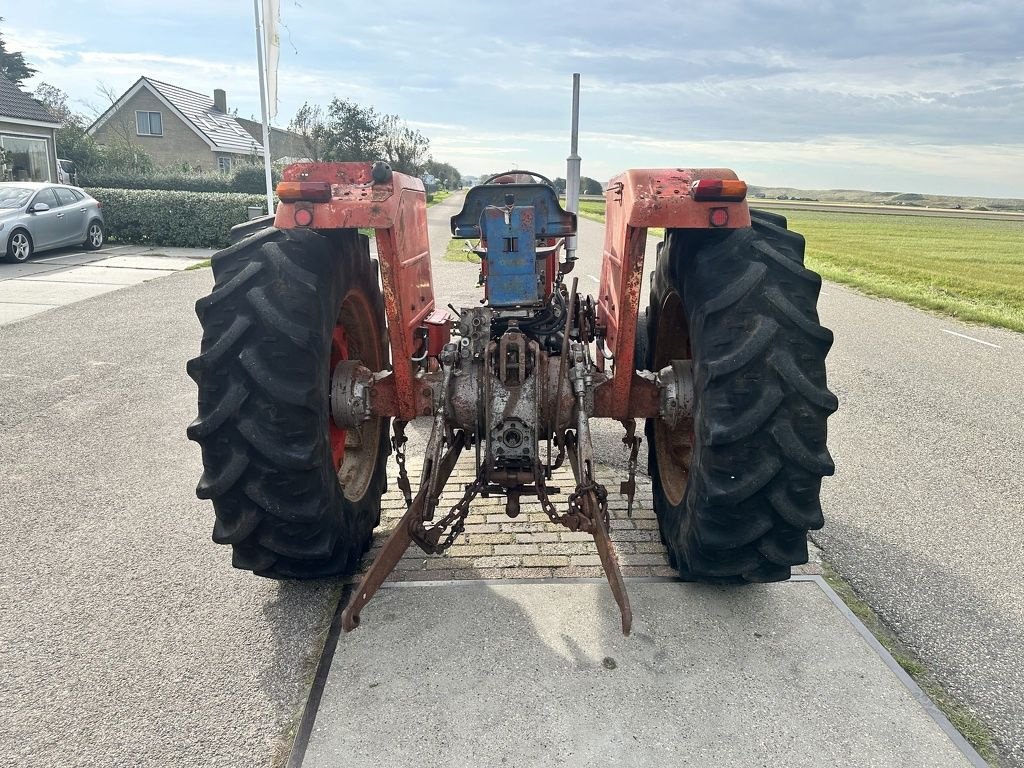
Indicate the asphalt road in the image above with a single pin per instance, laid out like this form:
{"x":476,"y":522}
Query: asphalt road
{"x":126,"y":637}
{"x":925,"y":515}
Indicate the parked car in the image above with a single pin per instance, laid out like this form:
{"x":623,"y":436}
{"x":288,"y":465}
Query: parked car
{"x":66,"y":173}
{"x":37,"y":217}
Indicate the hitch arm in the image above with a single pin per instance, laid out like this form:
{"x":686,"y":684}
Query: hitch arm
{"x":397,"y":543}
{"x":594,"y":522}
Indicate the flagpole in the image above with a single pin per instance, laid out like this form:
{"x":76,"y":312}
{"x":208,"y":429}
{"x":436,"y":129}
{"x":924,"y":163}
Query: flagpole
{"x":263,"y":106}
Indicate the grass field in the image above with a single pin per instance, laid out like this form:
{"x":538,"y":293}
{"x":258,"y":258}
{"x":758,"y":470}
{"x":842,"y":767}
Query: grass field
{"x":457,"y":252}
{"x":970,"y":269}
{"x":437,"y":197}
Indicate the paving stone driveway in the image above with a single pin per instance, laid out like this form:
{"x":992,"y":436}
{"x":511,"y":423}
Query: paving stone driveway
{"x":495,"y":546}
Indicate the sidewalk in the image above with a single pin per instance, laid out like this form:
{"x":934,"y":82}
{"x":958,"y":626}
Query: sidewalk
{"x":61,"y":277}
{"x":494,"y":674}
{"x":508,"y":651}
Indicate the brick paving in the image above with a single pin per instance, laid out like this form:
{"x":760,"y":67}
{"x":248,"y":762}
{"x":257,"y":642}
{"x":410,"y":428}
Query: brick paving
{"x":495,"y":546}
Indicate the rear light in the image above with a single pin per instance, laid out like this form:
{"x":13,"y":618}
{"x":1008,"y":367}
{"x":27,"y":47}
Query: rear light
{"x":309,"y":191}
{"x":719,"y":190}
{"x":719,"y":217}
{"x":303,"y":217}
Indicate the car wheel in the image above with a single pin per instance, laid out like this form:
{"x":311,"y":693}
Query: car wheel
{"x":94,"y":236}
{"x":19,"y":247}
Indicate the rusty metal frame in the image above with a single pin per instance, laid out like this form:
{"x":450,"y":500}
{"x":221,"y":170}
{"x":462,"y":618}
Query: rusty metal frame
{"x":396,"y":208}
{"x":635,"y":201}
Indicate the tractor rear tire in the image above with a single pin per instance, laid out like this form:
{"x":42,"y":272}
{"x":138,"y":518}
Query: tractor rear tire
{"x":294,"y":495}
{"x":737,"y":489}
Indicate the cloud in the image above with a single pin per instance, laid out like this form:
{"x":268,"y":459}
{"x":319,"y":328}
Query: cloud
{"x":912,"y":96}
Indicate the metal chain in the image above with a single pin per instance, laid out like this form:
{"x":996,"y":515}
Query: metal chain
{"x":429,"y":539}
{"x":632,"y":442}
{"x":398,"y":442}
{"x":545,"y":501}
{"x":600,"y":493}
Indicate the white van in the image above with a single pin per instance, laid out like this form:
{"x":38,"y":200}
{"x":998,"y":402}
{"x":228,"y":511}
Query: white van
{"x":66,"y":173}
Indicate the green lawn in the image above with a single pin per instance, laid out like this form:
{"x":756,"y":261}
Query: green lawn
{"x":434,"y":198}
{"x":972,"y":269}
{"x":457,"y":251}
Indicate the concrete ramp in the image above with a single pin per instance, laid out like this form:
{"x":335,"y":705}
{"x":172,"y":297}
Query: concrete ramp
{"x":481,"y":674}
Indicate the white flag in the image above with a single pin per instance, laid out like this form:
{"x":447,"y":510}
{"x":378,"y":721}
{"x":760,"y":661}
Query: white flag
{"x":272,"y":40}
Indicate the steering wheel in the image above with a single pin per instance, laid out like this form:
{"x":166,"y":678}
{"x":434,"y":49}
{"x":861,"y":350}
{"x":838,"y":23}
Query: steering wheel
{"x":541,"y":177}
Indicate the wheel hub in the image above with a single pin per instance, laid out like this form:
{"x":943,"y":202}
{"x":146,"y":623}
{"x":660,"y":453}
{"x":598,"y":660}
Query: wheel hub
{"x":350,"y":394}
{"x":675,"y":381}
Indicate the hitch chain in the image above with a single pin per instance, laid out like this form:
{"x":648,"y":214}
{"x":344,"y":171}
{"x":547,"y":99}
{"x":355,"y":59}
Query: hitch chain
{"x":398,"y":442}
{"x":576,"y":508}
{"x":632,"y":442}
{"x":429,"y":539}
{"x":576,"y":518}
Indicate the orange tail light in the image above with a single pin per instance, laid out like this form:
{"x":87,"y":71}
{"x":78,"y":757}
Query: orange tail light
{"x":307,"y":191}
{"x":719,"y":190}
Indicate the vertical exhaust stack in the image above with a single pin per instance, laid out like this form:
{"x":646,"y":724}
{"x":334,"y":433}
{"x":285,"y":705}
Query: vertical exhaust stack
{"x":572,"y":174}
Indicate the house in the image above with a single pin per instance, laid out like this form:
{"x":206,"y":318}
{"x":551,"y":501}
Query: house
{"x":177,"y":126}
{"x":283,"y":144}
{"x":26,"y":136}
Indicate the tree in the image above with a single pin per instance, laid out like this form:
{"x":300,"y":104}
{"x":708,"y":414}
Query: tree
{"x":73,"y":143}
{"x":589,"y":186}
{"x":404,"y":148}
{"x":122,"y":152}
{"x":448,"y":174}
{"x":560,"y":185}
{"x":310,"y":124}
{"x":13,"y":65}
{"x":353,"y":132}
{"x":56,"y":101}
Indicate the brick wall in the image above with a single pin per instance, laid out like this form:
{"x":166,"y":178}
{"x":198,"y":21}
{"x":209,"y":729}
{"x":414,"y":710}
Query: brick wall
{"x":282,"y":143}
{"x":179,"y":144}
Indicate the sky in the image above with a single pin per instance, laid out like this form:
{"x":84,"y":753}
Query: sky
{"x":906,"y":96}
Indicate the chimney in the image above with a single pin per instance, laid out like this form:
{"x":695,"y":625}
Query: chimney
{"x":220,"y":100}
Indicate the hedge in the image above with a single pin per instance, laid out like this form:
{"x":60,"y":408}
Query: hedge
{"x":179,"y":219}
{"x":248,"y":179}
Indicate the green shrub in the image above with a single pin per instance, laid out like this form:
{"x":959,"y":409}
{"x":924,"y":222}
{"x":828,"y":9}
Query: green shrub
{"x":247,"y":179}
{"x":179,"y":219}
{"x":252,"y":179}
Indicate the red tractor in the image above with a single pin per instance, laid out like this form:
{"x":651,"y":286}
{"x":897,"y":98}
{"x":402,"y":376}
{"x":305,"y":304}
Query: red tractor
{"x":314,"y":355}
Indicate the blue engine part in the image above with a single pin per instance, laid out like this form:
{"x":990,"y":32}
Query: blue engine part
{"x":513,"y":276}
{"x":510,"y":218}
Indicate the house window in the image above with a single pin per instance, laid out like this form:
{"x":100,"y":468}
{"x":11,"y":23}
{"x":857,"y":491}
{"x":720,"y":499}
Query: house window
{"x":224,"y":164}
{"x":24,"y":159}
{"x":149,"y":123}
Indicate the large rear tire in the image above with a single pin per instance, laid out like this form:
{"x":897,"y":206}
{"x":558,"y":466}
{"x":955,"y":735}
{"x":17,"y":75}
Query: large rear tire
{"x":293,"y":494}
{"x":737,"y":489}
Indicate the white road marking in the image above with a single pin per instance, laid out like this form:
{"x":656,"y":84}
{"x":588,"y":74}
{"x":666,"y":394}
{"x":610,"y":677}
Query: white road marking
{"x":79,"y":253}
{"x":824,"y":293}
{"x":970,"y":338}
{"x":595,"y":279}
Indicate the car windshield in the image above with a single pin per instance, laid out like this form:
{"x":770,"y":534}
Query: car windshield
{"x":14,"y":197}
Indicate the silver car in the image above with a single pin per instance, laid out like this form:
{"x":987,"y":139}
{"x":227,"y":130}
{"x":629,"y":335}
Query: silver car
{"x":37,"y":217}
